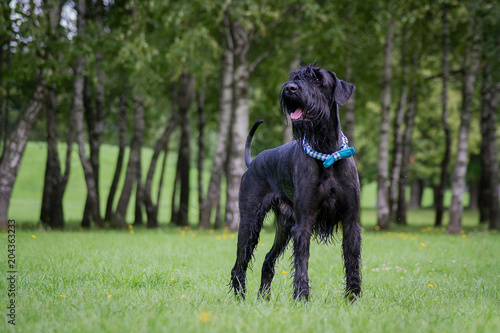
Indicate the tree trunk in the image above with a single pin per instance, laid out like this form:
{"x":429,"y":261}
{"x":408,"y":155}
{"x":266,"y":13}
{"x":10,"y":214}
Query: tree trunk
{"x":403,"y":174}
{"x":473,"y":194}
{"x":91,"y":120}
{"x":161,"y":145}
{"x":201,"y":151}
{"x":212,"y":200}
{"x":471,"y":65}
{"x":118,"y":219}
{"x":350,"y":107}
{"x":239,"y":127}
{"x":186,"y":97}
{"x":397,"y":151}
{"x":139,"y":195}
{"x":287,"y":124}
{"x":383,"y":147}
{"x":13,"y":152}
{"x":175,"y":210}
{"x":121,"y":151}
{"x":78,"y":109}
{"x":489,"y":196}
{"x":439,"y":204}
{"x":52,"y":211}
{"x":416,"y":193}
{"x":407,"y":141}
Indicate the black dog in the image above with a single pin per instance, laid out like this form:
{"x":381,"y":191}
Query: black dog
{"x":308,"y":197}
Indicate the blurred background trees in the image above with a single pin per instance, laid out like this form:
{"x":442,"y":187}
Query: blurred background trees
{"x":186,"y":79}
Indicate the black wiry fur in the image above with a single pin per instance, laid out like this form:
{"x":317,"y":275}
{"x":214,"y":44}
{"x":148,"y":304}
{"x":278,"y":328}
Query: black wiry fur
{"x":307,"y":198}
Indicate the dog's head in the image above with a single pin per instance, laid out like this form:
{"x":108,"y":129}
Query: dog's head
{"x":310,"y":96}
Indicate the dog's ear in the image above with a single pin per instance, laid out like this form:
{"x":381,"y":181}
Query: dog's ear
{"x":342,"y":91}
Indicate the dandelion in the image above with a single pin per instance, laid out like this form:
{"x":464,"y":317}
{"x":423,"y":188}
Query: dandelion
{"x":431,"y":285}
{"x":109,"y":296}
{"x":463,"y":236}
{"x":62,"y":296}
{"x":377,"y":227}
{"x":205,"y":317}
{"x":284,"y":272}
{"x":219,"y":238}
{"x":183,"y":233}
{"x":33,"y":236}
{"x":422,"y":244}
{"x":131,"y":231}
{"x":130,"y":226}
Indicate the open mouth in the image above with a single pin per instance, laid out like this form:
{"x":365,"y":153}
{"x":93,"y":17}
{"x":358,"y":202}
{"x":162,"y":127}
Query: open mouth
{"x":297,"y":114}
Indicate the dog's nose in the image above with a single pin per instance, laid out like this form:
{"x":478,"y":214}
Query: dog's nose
{"x":291,"y":88}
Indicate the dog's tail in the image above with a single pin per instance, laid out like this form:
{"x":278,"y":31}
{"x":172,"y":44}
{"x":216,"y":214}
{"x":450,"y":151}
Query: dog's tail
{"x":248,"y":144}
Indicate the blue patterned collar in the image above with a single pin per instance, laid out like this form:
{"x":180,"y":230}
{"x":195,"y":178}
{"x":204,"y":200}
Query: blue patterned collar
{"x":328,"y":159}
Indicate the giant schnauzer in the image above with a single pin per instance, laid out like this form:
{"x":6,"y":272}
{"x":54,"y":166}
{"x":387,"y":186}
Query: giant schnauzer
{"x":309,"y":193}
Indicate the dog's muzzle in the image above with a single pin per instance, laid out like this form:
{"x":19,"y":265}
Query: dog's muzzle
{"x":290,"y":91}
{"x":291,"y":88}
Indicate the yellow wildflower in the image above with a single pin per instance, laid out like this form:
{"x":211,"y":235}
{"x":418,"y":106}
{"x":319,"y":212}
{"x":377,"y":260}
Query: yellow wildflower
{"x":431,"y":285}
{"x":33,"y":236}
{"x":205,"y":317}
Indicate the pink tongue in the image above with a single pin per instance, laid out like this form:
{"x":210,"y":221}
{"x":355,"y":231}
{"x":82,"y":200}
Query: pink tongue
{"x":297,"y":114}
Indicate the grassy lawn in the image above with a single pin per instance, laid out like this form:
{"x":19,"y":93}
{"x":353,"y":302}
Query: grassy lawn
{"x":415,"y":278}
{"x":173,"y":280}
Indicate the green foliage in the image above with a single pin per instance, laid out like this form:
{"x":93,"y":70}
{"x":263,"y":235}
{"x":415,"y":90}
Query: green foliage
{"x":144,"y":46}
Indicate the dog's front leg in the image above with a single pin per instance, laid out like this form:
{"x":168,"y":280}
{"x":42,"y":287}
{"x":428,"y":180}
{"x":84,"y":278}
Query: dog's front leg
{"x":301,"y":233}
{"x":351,"y":246}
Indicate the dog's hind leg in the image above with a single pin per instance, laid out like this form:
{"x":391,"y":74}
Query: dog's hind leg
{"x":284,"y":214}
{"x":253,"y":208}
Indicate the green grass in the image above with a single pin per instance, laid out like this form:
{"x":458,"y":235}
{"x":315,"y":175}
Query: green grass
{"x":174,"y":280}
